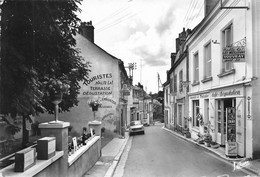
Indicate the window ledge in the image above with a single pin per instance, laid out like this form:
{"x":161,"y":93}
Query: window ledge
{"x":226,"y":73}
{"x":207,"y":79}
{"x":195,"y":83}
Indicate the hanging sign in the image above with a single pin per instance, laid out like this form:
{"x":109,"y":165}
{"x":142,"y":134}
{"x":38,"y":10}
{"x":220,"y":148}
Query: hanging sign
{"x":235,"y":52}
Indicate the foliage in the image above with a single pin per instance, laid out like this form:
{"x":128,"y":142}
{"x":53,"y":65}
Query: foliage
{"x":103,"y":130}
{"x":12,"y":129}
{"x":56,"y":86}
{"x":38,"y":45}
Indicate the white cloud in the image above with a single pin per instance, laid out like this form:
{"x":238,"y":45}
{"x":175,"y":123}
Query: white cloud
{"x":141,"y":31}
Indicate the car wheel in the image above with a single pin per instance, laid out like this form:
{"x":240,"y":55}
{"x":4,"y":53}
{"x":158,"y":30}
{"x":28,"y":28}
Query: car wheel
{"x":130,"y":134}
{"x":143,"y":133}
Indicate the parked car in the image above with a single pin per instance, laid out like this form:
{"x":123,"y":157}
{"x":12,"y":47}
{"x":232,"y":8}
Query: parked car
{"x":146,"y":121}
{"x":136,"y":127}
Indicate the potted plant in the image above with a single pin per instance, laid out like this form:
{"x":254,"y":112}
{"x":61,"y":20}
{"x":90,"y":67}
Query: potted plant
{"x":200,"y":140}
{"x":187,"y":134}
{"x":95,"y":104}
{"x":214,"y":145}
{"x":207,"y":139}
{"x":55,"y":88}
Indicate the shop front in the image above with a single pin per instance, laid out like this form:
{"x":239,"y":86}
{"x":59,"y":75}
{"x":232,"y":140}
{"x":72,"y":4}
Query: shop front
{"x":222,"y":111}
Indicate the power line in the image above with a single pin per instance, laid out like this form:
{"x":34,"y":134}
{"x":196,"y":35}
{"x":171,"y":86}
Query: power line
{"x":113,"y":14}
{"x":117,"y":21}
{"x":194,"y":7}
{"x":187,"y":12}
{"x":197,"y":14}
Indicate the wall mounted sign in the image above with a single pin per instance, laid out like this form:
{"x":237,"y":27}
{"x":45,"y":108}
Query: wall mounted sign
{"x":235,"y":52}
{"x":227,"y":93}
{"x":101,"y":84}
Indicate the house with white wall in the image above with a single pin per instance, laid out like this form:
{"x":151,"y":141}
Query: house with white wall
{"x":107,"y":78}
{"x":224,"y":69}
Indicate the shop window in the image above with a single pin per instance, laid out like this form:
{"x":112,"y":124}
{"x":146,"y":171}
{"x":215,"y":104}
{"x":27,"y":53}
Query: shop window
{"x":207,"y":60}
{"x":227,"y":39}
{"x":196,"y":112}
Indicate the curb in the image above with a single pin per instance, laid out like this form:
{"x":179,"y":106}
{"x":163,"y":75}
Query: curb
{"x":211,"y":151}
{"x":112,"y":168}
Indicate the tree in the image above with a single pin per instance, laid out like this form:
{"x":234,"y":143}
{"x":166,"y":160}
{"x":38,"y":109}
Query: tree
{"x":38,"y":46}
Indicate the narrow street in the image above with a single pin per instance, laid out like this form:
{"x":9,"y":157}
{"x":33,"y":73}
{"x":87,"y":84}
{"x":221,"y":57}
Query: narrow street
{"x":160,"y":153}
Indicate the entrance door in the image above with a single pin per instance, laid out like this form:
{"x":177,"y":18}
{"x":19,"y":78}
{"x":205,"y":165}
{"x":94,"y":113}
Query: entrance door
{"x":222,"y":105}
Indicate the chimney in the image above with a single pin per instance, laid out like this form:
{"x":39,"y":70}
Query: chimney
{"x":86,"y":29}
{"x":209,"y":5}
{"x":181,"y":39}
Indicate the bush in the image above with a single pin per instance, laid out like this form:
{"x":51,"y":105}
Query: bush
{"x":103,"y":130}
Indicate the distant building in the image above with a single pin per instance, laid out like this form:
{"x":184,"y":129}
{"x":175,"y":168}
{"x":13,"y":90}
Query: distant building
{"x":141,"y":108}
{"x":176,"y":86}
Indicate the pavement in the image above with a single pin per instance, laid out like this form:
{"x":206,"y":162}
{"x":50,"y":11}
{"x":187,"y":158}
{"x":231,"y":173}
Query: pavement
{"x":249,"y":165}
{"x":112,"y":152}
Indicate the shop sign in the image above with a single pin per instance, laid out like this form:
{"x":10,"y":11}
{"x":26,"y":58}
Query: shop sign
{"x":194,"y":97}
{"x":204,"y":96}
{"x":227,"y":93}
{"x":231,"y":148}
{"x":235,"y":52}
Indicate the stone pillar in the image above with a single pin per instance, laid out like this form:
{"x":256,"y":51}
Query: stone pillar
{"x":95,"y":125}
{"x":60,"y":131}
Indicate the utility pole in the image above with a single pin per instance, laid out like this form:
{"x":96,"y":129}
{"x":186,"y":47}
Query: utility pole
{"x":131,"y":67}
{"x":159,"y":82}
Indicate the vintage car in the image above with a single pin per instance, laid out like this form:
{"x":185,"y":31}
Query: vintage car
{"x":136,"y":127}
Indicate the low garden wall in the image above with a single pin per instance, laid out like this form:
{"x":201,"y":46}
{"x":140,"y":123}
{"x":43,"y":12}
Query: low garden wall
{"x":61,"y":163}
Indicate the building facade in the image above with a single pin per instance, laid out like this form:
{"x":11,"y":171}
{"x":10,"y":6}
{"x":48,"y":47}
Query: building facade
{"x":107,"y":78}
{"x":224,"y":68}
{"x":178,"y":85}
{"x":167,"y":105}
{"x":142,"y":108}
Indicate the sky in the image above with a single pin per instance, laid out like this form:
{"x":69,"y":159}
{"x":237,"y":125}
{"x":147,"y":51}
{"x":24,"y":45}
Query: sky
{"x":142,"y":32}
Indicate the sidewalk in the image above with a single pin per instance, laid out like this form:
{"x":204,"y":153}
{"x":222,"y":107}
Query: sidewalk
{"x":111,"y":154}
{"x":252,"y":166}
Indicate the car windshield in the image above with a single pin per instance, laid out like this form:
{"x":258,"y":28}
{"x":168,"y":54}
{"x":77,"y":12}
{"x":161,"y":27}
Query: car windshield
{"x":135,"y":123}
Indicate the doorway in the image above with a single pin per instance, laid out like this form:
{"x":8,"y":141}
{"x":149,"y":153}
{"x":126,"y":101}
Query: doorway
{"x":221,"y":119}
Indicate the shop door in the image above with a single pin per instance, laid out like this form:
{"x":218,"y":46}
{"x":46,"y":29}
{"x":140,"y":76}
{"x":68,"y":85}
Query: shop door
{"x":222,"y":106}
{"x":240,"y":126}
